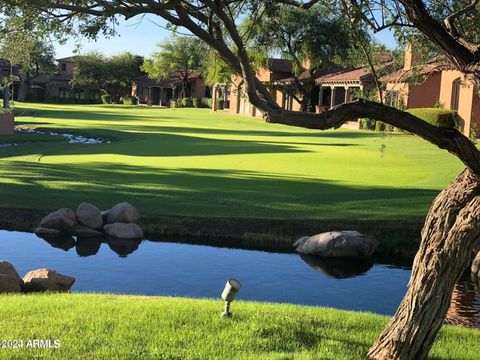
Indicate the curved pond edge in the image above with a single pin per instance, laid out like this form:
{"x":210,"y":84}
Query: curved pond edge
{"x":398,"y":239}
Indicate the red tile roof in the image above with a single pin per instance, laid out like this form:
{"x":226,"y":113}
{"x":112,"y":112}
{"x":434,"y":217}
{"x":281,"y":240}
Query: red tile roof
{"x":356,"y":74}
{"x":280,"y":65}
{"x":173,"y":80}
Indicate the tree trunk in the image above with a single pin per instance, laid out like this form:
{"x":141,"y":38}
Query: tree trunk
{"x":451,"y":229}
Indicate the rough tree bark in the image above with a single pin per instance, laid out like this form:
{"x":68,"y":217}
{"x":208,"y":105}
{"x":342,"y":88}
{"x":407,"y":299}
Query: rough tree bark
{"x":451,"y":229}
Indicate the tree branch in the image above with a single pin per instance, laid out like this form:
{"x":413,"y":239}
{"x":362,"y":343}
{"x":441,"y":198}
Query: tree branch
{"x":445,"y":138}
{"x":450,"y":20}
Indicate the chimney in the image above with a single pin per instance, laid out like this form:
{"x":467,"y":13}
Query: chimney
{"x":306,"y":64}
{"x":410,"y":58}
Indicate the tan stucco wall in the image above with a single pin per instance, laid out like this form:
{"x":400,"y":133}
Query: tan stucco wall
{"x":476,"y":112}
{"x":426,"y":93}
{"x":70,"y":66}
{"x":198,"y":88}
{"x":465,"y":99}
{"x":402,"y":89}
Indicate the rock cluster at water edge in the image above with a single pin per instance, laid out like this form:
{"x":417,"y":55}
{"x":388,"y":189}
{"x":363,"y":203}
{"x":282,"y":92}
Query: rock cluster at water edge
{"x":121,"y":221}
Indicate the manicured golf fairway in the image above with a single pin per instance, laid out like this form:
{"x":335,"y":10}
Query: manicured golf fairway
{"x":193,"y":162}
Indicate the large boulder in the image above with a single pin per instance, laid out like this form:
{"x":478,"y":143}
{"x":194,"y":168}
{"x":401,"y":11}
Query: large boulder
{"x":337,"y":244}
{"x":61,"y":219}
{"x":10,"y":281}
{"x":476,"y":266}
{"x":47,"y":280}
{"x":9,"y":285}
{"x":42,"y":231}
{"x":82,"y":231}
{"x":123,"y":213}
{"x":89,"y":215}
{"x":124,"y":231}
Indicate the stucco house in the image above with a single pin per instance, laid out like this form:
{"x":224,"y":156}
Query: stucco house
{"x":276,"y":69}
{"x":160,"y":92}
{"x":331,"y":87}
{"x":57,"y":87}
{"x":439,"y":85}
{"x":11,"y":74}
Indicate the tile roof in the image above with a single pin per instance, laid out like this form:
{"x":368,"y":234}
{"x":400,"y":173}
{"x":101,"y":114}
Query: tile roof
{"x":356,"y":74}
{"x":402,"y":75}
{"x":69,"y":59}
{"x":280,"y":65}
{"x":171,"y":81}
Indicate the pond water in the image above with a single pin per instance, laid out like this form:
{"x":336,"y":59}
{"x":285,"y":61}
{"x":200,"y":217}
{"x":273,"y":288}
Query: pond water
{"x":176,"y":269}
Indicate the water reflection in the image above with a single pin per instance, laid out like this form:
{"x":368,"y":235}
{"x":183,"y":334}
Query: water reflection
{"x":65,"y":243}
{"x":465,"y":306}
{"x":123,"y":247}
{"x":90,"y":246}
{"x":377,"y":288}
{"x":338,"y":268}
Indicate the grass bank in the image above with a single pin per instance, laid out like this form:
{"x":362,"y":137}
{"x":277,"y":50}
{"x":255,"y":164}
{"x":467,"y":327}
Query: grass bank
{"x":182,"y":164}
{"x":125,"y":327}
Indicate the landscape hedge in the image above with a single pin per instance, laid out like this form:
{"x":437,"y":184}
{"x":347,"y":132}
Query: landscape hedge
{"x":106,"y":99}
{"x":129,"y":100}
{"x":436,"y":116}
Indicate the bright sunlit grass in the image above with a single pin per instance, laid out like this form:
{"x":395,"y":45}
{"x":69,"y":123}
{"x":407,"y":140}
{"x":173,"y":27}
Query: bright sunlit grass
{"x":193,"y":162}
{"x":127,"y":327}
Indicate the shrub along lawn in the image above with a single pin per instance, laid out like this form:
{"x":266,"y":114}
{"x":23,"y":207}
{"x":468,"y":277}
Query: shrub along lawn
{"x":93,"y":326}
{"x":193,"y":162}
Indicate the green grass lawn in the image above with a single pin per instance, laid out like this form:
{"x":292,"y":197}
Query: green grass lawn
{"x":193,"y":162}
{"x":126,"y":327}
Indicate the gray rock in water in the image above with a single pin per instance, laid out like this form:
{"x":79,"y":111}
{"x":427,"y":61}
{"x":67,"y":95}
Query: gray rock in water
{"x":82,"y":231}
{"x":124,"y":231}
{"x":61,"y":219}
{"x":47,"y":280}
{"x":123,"y":213}
{"x":41,"y":231}
{"x":10,"y":281}
{"x":476,"y":266}
{"x":89,"y":215}
{"x":337,"y":244}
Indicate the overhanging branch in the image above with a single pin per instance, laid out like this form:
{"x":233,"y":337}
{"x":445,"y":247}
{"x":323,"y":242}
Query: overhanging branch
{"x":445,"y":138}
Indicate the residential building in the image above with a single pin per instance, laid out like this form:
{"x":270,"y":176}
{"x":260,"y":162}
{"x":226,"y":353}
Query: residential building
{"x":58,"y":87}
{"x":412,"y":86}
{"x":10,"y":74}
{"x":438,"y":84}
{"x":160,"y":92}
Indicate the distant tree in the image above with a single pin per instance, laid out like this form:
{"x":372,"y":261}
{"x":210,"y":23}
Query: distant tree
{"x":112,"y":75}
{"x":178,"y":58}
{"x":316,"y":38}
{"x":28,"y":49}
{"x":217,"y":71}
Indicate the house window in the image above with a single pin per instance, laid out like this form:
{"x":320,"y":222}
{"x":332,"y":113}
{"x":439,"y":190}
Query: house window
{"x":63,"y":94}
{"x":456,"y":94}
{"x":288,"y":102}
{"x":63,"y":67}
{"x":392,"y":98}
